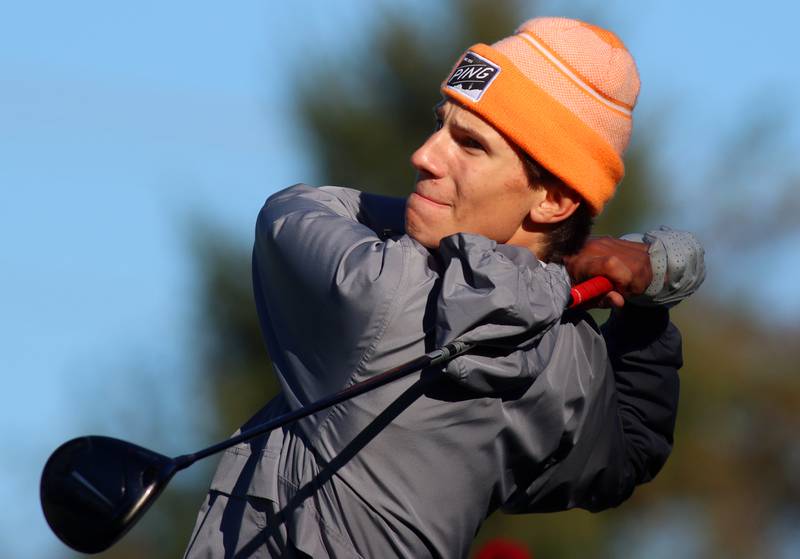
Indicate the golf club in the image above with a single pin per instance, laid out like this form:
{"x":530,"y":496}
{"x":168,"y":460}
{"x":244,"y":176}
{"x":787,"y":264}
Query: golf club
{"x":95,"y":488}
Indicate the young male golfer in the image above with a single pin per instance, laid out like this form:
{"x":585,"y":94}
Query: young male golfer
{"x":547,"y":414}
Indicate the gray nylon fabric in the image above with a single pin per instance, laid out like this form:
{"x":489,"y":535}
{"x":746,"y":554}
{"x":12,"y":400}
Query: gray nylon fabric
{"x":528,"y":423}
{"x":522,"y":296}
{"x":678,"y":263}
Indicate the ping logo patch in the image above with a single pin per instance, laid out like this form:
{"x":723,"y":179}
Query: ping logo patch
{"x":473,"y":76}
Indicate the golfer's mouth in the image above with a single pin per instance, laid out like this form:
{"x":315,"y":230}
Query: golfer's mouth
{"x":430,"y":200}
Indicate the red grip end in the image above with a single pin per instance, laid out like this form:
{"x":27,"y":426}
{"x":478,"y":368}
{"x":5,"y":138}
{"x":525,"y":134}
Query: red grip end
{"x":588,"y":290}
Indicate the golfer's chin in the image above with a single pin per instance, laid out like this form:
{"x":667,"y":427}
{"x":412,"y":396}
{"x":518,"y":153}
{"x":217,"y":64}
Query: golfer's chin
{"x":417,"y":228}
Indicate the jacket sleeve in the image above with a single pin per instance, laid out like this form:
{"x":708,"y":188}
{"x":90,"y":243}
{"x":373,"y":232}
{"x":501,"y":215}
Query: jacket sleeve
{"x":324,"y":275}
{"x":627,"y":434}
{"x":501,"y":298}
{"x":644,"y":349}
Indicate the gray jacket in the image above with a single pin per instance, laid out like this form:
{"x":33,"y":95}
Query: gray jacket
{"x":532,"y":421}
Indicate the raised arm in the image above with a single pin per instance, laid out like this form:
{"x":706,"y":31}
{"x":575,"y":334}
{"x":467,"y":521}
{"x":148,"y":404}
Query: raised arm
{"x":323,"y":274}
{"x":628,"y":433}
{"x":644,"y":349}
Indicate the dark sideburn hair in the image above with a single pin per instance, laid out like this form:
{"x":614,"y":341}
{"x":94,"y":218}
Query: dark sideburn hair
{"x":566,"y":237}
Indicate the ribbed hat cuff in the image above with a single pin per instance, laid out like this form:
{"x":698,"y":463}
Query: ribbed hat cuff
{"x":545,"y":129}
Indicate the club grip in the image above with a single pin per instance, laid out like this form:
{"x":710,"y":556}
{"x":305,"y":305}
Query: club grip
{"x":588,"y":290}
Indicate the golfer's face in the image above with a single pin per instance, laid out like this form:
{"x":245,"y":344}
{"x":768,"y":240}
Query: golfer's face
{"x":469,"y":180}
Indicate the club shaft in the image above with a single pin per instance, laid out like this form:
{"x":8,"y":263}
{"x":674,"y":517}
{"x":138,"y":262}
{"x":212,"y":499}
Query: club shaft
{"x":433,"y":358}
{"x":579,"y":294}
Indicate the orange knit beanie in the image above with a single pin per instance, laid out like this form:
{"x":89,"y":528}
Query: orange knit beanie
{"x":563,"y":91}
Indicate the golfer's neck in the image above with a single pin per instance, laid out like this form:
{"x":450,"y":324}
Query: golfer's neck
{"x":534,"y":241}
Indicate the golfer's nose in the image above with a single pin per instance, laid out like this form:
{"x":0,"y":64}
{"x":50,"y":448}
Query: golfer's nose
{"x":427,"y":160}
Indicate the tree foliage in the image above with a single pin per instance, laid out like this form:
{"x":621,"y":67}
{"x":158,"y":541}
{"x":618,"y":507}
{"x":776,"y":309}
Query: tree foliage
{"x":236,"y":367}
{"x":732,"y":473}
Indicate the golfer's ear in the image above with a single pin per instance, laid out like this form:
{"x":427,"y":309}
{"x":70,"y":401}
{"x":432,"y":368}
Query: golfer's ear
{"x":556,"y":205}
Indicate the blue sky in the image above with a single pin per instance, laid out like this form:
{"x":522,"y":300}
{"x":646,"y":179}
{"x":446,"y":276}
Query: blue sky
{"x":118,"y":122}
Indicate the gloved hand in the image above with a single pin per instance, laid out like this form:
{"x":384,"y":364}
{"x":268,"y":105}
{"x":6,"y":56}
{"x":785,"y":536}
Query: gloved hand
{"x":677,"y":260}
{"x":660,"y":267}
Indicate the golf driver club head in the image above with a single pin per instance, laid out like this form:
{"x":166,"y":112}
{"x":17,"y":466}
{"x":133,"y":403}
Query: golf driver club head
{"x":94,"y":489}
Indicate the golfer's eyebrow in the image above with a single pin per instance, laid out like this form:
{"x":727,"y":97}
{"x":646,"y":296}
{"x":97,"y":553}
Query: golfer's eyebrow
{"x":437,"y":111}
{"x":460,"y":126}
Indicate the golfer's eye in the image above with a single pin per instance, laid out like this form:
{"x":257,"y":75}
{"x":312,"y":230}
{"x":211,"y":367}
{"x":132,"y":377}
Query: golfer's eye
{"x":438,"y":124}
{"x":471,"y":143}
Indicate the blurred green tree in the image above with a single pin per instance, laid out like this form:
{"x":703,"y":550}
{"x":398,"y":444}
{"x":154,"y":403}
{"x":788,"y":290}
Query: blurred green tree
{"x":736,"y":451}
{"x":235,"y":364}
